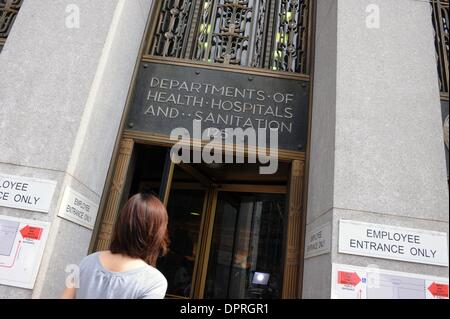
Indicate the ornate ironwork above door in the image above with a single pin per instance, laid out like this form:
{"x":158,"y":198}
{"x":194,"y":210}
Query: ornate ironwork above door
{"x":8,"y":13}
{"x":441,"y":27}
{"x":269,"y":34}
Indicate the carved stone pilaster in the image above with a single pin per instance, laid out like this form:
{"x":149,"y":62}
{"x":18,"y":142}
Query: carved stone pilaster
{"x":292,"y":259}
{"x":115,"y":195}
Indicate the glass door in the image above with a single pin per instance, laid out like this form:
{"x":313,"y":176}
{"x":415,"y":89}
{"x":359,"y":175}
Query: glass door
{"x":228,"y":240}
{"x":185,"y":210}
{"x":186,"y":207}
{"x":245,"y":260}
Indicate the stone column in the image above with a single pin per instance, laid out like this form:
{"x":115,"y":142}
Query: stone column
{"x":376,"y":146}
{"x":63,"y":90}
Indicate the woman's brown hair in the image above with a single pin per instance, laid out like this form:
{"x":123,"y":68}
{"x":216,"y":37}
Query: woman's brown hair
{"x":141,"y":229}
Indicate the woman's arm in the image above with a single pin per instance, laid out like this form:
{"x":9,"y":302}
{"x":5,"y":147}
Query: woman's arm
{"x":69,"y":293}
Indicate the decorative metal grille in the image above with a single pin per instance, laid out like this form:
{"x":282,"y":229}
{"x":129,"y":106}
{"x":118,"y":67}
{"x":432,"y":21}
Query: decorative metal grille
{"x":174,"y":18}
{"x":8,"y":13}
{"x":441,"y":27}
{"x":271,"y":34}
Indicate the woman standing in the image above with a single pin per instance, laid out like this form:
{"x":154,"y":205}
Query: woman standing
{"x":127,"y":270}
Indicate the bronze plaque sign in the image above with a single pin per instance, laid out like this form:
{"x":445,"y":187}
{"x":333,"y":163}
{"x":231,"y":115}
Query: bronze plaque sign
{"x":173,"y":96}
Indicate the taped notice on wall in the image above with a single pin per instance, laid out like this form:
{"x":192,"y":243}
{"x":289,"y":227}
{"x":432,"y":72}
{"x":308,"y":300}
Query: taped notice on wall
{"x":351,"y":282}
{"x":22,"y":243}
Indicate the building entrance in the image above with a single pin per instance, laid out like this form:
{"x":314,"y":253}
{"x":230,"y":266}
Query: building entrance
{"x":234,"y":232}
{"x":224,"y":66}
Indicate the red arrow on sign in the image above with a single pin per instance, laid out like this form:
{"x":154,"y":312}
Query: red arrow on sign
{"x":438,"y":290}
{"x":348,"y":278}
{"x":31,"y":232}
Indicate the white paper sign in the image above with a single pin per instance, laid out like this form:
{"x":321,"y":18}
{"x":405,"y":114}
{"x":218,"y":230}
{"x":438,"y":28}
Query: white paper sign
{"x":26,"y":193}
{"x":351,"y":282}
{"x":22,"y":244}
{"x":318,"y":241}
{"x":78,"y":209}
{"x":390,"y":242}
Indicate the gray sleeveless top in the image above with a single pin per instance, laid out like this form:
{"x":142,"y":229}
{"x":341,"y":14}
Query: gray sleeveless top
{"x":96,"y":282}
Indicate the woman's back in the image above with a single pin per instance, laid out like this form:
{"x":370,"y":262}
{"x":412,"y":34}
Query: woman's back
{"x":127,"y":270}
{"x":98,"y":281}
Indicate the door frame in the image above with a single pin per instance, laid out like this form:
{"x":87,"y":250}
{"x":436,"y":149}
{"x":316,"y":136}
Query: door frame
{"x":294,"y":237}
